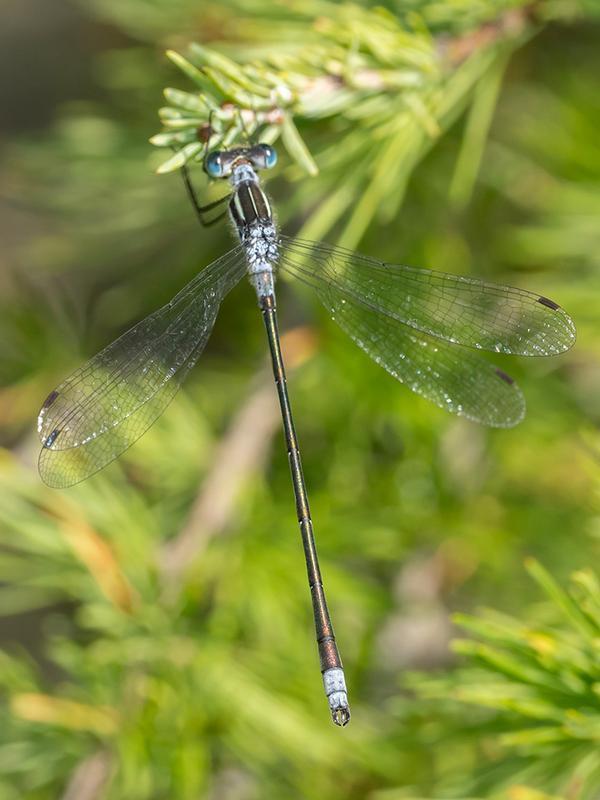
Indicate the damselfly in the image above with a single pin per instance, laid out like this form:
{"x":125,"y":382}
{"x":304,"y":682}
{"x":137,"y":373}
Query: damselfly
{"x":423,"y":327}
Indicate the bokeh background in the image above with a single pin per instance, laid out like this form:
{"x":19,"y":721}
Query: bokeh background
{"x":155,"y":622}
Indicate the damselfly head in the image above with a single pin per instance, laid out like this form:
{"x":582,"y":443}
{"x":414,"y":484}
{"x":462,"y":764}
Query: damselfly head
{"x":221,"y":163}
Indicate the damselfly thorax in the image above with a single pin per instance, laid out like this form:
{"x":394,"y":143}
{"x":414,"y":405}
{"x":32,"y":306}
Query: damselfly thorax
{"x":250,"y":212}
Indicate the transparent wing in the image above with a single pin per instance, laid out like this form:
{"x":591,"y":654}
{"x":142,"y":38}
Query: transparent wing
{"x":453,"y":377}
{"x":107,"y":404}
{"x":462,"y":310}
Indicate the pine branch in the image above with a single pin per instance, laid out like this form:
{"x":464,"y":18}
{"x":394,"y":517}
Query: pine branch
{"x":540,"y":682}
{"x":370,"y":93}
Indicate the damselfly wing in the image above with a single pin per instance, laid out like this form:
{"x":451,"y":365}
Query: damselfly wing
{"x":423,"y":327}
{"x":108,"y":403}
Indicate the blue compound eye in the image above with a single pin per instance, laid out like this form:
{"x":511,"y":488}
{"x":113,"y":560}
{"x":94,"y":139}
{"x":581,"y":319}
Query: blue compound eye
{"x":213,"y":164}
{"x":270,"y":155}
{"x":262,"y":156}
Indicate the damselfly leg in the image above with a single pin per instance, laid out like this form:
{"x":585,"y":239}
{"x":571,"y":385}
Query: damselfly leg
{"x":201,"y":211}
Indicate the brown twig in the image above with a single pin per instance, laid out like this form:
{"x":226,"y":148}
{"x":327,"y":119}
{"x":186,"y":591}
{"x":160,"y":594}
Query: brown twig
{"x":510,"y":25}
{"x":89,"y":778}
{"x":240,"y":455}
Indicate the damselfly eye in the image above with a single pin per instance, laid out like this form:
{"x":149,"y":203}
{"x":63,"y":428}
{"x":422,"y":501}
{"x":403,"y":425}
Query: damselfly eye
{"x":270,"y":155}
{"x":213,"y":164}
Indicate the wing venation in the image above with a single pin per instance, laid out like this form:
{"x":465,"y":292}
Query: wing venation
{"x":458,"y":309}
{"x":107,"y":404}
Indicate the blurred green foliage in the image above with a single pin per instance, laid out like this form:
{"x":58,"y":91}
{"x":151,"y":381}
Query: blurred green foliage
{"x":139,"y":609}
{"x":540,"y":680}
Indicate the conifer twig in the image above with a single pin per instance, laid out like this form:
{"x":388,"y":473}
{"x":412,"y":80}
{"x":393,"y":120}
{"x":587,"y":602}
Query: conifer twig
{"x":382,"y":90}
